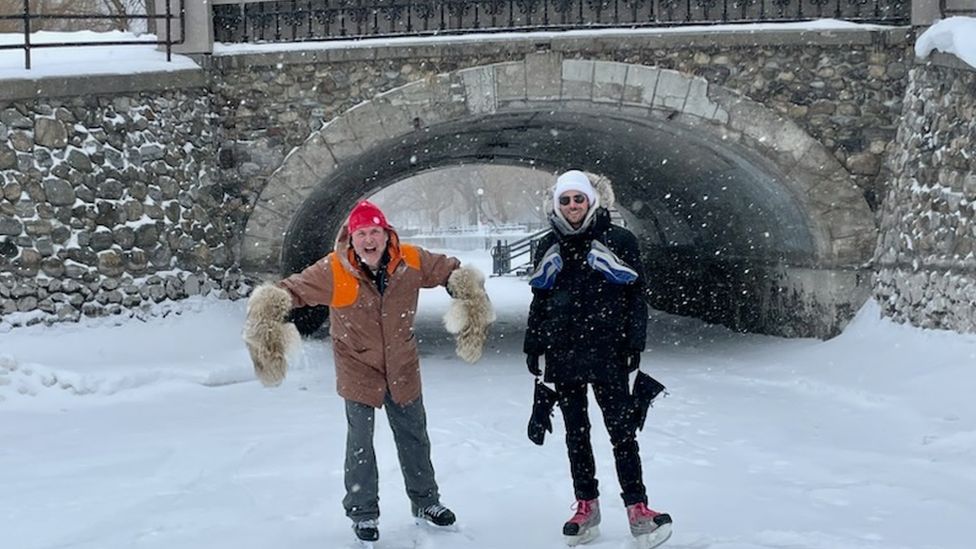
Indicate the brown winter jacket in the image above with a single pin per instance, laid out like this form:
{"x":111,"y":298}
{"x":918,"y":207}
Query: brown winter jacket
{"x":372,"y":335}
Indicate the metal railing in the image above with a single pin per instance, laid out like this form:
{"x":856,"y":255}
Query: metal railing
{"x":503,"y":254}
{"x":298,"y":20}
{"x":950,"y":8}
{"x":26,"y":16}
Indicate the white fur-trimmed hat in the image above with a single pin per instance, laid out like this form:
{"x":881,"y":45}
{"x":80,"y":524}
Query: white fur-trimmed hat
{"x":573,"y":180}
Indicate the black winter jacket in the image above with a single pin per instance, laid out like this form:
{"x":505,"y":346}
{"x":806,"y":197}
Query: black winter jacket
{"x":585,"y":325}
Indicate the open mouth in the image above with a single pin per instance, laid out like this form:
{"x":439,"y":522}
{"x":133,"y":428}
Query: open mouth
{"x":370,"y":249}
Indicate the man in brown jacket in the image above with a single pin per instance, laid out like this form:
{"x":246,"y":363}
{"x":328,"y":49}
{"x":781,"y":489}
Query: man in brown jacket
{"x":371,"y":283}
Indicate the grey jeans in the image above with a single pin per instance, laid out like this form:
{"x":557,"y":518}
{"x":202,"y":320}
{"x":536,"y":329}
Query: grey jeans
{"x":409,"y":426}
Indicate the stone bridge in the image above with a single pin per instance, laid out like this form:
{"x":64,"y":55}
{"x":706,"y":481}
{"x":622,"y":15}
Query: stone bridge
{"x":750,"y":164}
{"x":749,"y":169}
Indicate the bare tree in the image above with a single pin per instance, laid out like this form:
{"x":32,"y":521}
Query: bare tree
{"x":465,"y":195}
{"x":53,"y":8}
{"x":38,"y":7}
{"x":125,"y":8}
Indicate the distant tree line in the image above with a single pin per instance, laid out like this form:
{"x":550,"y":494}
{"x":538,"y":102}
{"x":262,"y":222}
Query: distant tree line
{"x":467,"y":196}
{"x":121,"y":8}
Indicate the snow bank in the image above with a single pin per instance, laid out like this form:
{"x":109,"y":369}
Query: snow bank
{"x":955,"y":35}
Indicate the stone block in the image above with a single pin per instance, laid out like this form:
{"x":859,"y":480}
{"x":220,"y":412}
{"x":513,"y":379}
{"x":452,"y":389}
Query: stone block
{"x":672,"y":90}
{"x":396,"y":120}
{"x":510,"y":81}
{"x":864,"y":163}
{"x":409,"y":105}
{"x":259,"y":254}
{"x":698,"y":102}
{"x":852,"y":250}
{"x":266,"y":223}
{"x":479,"y":89}
{"x":771,"y":130}
{"x":608,"y":82}
{"x":577,"y":79}
{"x":447,"y":98}
{"x":640,"y":85}
{"x":281,"y":198}
{"x":365,"y":123}
{"x":815,"y":164}
{"x":51,"y":133}
{"x":720,"y":115}
{"x":543,"y":76}
{"x":316,"y":155}
{"x":341,"y":139}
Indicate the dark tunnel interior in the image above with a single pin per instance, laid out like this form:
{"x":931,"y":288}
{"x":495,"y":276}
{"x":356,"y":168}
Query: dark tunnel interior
{"x":715,"y":220}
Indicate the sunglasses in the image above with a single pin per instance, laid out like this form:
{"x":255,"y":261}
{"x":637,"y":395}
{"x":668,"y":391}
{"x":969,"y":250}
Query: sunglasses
{"x":577,"y":198}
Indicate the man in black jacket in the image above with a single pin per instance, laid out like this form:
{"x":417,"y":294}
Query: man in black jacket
{"x":588,"y":319}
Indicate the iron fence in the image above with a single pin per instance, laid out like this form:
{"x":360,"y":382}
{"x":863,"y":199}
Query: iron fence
{"x":26,"y":16}
{"x":297,"y":20}
{"x":950,"y":8}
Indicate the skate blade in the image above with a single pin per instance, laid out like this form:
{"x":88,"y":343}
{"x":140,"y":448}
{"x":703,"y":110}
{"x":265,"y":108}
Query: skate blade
{"x":655,"y":538}
{"x":435,"y":527}
{"x":587,"y":536}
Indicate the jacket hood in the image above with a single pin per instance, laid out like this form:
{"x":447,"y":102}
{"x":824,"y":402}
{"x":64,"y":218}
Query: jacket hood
{"x":604,"y":191}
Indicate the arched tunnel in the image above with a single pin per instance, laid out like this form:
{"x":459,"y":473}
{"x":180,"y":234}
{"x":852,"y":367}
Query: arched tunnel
{"x":723,"y":236}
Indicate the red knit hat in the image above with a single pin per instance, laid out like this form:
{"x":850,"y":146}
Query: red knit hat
{"x":366,"y":214}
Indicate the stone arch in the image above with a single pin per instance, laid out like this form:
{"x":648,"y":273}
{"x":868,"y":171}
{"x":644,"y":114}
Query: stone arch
{"x":794,"y":228}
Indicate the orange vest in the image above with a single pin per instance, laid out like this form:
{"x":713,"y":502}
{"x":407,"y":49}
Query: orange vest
{"x":345,"y":285}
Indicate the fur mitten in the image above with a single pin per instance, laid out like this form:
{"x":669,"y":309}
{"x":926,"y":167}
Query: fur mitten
{"x":267,"y":336}
{"x":470,"y":313}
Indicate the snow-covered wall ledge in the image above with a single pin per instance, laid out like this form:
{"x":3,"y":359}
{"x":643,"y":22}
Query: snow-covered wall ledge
{"x":926,"y":256}
{"x":68,"y":86}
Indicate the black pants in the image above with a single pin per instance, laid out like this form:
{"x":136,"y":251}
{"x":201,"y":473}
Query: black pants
{"x":614,"y":400}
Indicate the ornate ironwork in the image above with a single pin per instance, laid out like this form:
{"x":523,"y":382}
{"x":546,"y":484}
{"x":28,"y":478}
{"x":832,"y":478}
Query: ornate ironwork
{"x":258,"y":17}
{"x":424,"y":9}
{"x":325,"y":17}
{"x":670,"y":5}
{"x":393,"y":11}
{"x":562,"y":6}
{"x":265,"y":20}
{"x":528,"y":7}
{"x":227,"y":18}
{"x":457,"y":8}
{"x":494,"y":7}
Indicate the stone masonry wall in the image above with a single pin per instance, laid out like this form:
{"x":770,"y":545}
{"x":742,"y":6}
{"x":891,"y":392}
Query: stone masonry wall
{"x":117,"y":202}
{"x":925,"y":258}
{"x":846,"y":96}
{"x":109,"y":203}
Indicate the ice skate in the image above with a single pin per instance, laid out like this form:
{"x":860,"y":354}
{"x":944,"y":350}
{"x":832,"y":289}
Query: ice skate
{"x":435,"y":515}
{"x":584,"y":526}
{"x":648,"y":527}
{"x":367,"y":531}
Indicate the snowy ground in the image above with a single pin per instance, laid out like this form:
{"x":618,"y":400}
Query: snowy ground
{"x":155,"y":435}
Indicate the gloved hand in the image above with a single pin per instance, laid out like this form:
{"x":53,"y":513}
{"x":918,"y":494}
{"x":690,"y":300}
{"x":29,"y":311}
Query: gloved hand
{"x":532,"y":361}
{"x":632,"y":361}
{"x":544,"y":400}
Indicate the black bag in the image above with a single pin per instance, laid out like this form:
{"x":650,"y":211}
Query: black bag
{"x":646,"y":389}
{"x":543,"y":401}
